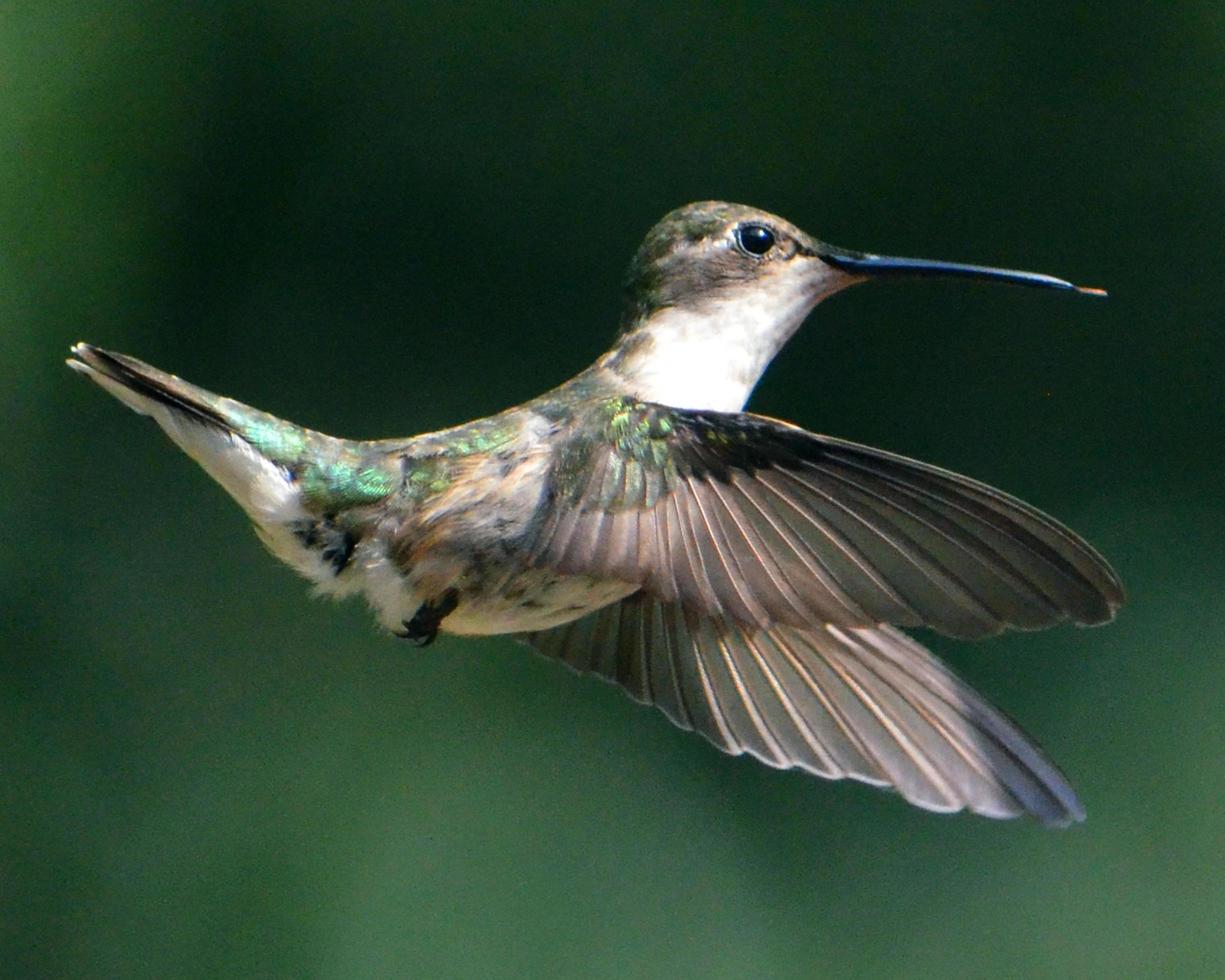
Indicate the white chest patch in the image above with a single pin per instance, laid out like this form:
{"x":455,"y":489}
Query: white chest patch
{"x":713,"y":358}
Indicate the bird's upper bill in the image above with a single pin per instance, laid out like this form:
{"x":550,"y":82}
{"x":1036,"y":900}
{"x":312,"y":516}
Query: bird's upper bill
{"x":871,"y":266}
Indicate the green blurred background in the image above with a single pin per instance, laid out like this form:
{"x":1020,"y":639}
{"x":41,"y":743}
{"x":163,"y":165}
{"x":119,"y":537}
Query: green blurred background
{"x":387,"y":217}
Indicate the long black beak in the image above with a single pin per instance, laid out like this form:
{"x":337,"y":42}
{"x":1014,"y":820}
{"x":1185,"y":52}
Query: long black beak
{"x":867,"y":264}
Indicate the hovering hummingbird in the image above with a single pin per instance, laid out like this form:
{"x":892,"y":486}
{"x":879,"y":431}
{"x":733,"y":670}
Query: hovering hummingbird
{"x":744,"y":575}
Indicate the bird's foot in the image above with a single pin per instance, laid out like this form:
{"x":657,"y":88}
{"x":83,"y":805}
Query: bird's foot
{"x":422,"y":629}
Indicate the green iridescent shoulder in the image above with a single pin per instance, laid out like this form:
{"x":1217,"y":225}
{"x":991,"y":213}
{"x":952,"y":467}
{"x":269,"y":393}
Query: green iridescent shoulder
{"x":616,"y":454}
{"x":635,"y":429}
{"x":624,"y":452}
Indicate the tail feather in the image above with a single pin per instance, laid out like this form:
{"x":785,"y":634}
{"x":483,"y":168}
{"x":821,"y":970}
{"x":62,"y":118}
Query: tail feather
{"x":139,"y":385}
{"x":250,"y":453}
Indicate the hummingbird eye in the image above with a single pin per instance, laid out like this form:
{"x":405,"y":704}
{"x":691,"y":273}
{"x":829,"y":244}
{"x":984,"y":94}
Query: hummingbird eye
{"x":754,"y":239}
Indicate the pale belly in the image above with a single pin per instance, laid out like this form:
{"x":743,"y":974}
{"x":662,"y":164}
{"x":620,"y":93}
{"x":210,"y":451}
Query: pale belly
{"x":537,"y":600}
{"x":529,"y":600}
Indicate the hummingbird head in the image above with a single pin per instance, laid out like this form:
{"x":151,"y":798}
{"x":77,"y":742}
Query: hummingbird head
{"x":716,"y":289}
{"x":707,"y":254}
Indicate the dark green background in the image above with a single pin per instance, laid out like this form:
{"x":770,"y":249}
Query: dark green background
{"x":383,"y":218}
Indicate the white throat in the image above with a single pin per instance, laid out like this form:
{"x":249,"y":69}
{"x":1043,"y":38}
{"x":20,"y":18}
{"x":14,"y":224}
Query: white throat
{"x":713,"y":358}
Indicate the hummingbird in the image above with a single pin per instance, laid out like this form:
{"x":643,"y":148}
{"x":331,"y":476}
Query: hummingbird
{"x":746,"y":576}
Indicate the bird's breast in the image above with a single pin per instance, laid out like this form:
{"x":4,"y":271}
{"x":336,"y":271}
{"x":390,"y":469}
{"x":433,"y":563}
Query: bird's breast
{"x":532,"y":599}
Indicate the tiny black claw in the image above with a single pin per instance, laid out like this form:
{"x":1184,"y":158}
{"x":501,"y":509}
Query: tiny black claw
{"x":418,"y":636}
{"x":422,"y":629}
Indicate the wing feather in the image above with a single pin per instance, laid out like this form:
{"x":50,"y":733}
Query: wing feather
{"x":868,"y":704}
{"x":740,"y":516}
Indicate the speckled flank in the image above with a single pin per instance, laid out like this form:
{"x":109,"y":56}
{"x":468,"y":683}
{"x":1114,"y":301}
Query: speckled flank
{"x":334,"y":543}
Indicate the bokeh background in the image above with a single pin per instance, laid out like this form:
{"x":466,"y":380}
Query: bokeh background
{"x":385,"y":217}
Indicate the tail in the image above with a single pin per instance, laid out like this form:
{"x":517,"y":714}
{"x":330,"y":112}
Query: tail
{"x":253,"y":455}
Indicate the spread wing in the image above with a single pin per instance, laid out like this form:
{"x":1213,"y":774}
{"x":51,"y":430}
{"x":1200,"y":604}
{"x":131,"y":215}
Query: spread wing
{"x":738,"y":515}
{"x":866,"y":704}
